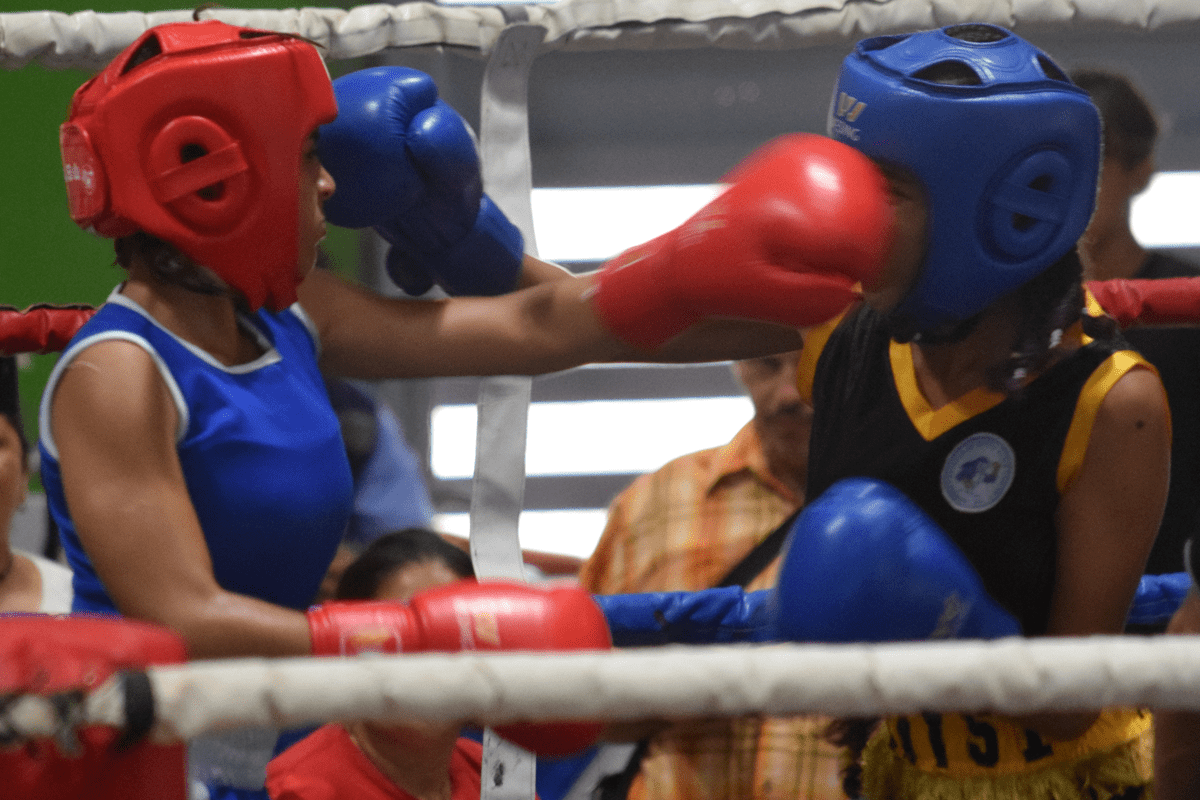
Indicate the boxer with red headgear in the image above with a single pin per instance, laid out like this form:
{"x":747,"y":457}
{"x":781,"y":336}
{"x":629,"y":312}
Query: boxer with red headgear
{"x":213,"y":171}
{"x":191,"y":459}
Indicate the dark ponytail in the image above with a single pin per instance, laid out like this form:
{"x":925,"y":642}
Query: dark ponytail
{"x":1050,"y":304}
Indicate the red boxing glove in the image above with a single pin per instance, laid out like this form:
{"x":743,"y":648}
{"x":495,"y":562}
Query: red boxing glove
{"x":40,"y":328}
{"x":804,"y":219}
{"x":48,"y":655}
{"x":350,"y":627}
{"x":500,"y":616}
{"x":1163,"y":301}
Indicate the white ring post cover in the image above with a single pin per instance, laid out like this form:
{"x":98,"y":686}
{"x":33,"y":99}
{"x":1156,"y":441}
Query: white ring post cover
{"x":497,"y":493}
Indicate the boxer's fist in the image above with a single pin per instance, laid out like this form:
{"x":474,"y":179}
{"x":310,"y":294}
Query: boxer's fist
{"x":466,"y":615}
{"x":803,"y":221}
{"x":406,"y":164}
{"x":497,"y":615}
{"x":516,"y":616}
{"x":351,"y":627}
{"x":46,"y":655}
{"x":863,"y":563}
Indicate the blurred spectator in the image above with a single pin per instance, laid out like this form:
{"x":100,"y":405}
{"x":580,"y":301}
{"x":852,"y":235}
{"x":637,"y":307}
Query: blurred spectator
{"x":684,"y":527}
{"x":365,"y":760}
{"x":390,"y":492}
{"x":28,"y":582}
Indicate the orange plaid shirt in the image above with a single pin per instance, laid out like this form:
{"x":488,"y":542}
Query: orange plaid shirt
{"x":682,"y":528}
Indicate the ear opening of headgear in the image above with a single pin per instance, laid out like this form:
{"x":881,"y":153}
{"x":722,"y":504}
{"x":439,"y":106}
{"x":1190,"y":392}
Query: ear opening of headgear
{"x":1029,"y":203}
{"x":198,"y":170}
{"x":194,"y":134}
{"x":1006,"y":149}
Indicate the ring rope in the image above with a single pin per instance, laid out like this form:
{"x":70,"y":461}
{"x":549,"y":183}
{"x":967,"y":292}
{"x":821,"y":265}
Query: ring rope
{"x":1013,"y":676}
{"x":88,"y":40}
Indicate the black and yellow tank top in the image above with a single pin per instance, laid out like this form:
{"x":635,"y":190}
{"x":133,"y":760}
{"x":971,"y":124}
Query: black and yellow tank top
{"x":988,"y":468}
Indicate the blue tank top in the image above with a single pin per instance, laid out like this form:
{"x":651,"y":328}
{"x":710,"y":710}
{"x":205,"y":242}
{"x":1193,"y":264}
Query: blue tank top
{"x":260,"y":447}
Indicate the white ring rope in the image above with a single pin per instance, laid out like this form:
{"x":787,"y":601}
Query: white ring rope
{"x":1009,"y":675}
{"x":88,"y":40}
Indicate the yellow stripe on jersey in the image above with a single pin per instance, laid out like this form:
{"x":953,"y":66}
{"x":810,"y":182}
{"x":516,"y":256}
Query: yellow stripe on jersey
{"x":815,"y":340}
{"x":930,"y":422}
{"x":1091,"y":306}
{"x":1088,"y":406}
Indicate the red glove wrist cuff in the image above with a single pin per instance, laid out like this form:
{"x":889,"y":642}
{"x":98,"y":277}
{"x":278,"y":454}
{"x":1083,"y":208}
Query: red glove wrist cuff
{"x":635,"y":299}
{"x":352,"y":627}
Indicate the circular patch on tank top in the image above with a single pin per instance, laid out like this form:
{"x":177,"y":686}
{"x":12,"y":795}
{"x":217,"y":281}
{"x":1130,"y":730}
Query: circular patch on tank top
{"x":978,"y":472}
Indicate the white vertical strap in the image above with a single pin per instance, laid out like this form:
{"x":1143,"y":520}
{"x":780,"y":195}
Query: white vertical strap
{"x":498,"y":491}
{"x":508,"y":772}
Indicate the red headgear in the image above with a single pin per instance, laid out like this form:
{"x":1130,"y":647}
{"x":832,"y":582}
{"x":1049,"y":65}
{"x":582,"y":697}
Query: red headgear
{"x":194,"y":134}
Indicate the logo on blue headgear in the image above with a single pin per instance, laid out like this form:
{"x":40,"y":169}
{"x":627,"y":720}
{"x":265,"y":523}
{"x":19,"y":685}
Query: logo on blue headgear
{"x":1006,"y":148}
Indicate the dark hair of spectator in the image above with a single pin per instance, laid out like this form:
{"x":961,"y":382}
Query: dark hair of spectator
{"x":10,"y":402}
{"x":390,"y":552}
{"x":1130,"y":129}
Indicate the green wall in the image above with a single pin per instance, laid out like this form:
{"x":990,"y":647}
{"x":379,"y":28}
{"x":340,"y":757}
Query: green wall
{"x":46,"y":257}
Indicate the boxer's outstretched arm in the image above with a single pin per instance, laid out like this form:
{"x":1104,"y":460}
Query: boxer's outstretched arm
{"x":803,"y":222}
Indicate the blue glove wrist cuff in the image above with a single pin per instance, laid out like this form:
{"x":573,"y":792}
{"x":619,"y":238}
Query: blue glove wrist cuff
{"x":486,"y":261}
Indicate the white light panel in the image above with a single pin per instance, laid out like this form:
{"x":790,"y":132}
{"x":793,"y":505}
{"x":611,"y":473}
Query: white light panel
{"x":595,"y":224}
{"x":1165,"y":215}
{"x":596,"y":436}
{"x":569,"y":532}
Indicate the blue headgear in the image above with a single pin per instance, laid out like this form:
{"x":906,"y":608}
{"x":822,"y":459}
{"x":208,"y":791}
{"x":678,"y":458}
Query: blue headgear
{"x":1009,"y":164}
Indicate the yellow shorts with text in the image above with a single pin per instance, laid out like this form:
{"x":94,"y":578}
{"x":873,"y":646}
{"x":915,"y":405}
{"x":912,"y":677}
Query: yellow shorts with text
{"x":988,"y":757}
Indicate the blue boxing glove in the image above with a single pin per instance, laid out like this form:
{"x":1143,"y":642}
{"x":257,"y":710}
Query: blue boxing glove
{"x":1158,"y":598}
{"x":730,"y":614}
{"x":864,"y":564}
{"x":406,"y":164}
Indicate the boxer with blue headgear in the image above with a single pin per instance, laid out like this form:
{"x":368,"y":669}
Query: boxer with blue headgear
{"x":1005,"y":147}
{"x":980,"y":401}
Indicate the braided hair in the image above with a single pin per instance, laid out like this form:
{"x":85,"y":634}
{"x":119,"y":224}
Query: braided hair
{"x":1049,"y":304}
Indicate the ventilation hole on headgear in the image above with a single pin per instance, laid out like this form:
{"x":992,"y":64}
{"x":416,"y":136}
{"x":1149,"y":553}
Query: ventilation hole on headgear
{"x":148,"y":50}
{"x":976,"y":33}
{"x":192,"y":151}
{"x":1041,"y":183}
{"x":252,"y":34}
{"x":1051,"y":69}
{"x":949,"y":73}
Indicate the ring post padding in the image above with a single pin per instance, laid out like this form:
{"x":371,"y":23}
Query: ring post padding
{"x":498,"y":490}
